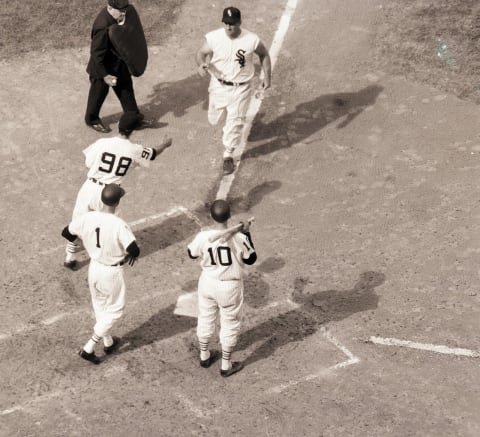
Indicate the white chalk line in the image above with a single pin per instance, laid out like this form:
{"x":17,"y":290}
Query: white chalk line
{"x":352,"y":359}
{"x":439,"y":349}
{"x":254,"y":106}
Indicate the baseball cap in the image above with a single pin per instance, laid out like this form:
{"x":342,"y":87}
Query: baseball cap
{"x":111,"y":194}
{"x":128,"y":122}
{"x":231,"y":15}
{"x":118,"y":4}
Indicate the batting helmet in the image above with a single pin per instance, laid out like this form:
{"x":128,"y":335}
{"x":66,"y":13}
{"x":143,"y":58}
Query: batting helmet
{"x":111,"y":194}
{"x":220,"y":211}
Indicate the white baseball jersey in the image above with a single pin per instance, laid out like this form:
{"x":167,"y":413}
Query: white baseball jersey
{"x":104,"y":235}
{"x":109,"y":159}
{"x":233,"y":58}
{"x":222,"y":260}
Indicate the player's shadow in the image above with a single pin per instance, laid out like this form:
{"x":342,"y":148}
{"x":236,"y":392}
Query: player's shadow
{"x":160,"y":326}
{"x":180,"y":228}
{"x":256,"y":288}
{"x":316,"y":310}
{"x":175,"y":97}
{"x":308,"y":118}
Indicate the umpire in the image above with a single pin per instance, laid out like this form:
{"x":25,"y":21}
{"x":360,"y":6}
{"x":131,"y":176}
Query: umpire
{"x":106,"y":68}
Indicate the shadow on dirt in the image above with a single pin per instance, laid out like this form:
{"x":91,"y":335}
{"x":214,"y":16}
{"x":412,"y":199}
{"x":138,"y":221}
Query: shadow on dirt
{"x":175,"y":97}
{"x":308,"y":118}
{"x":257,"y":290}
{"x":179,"y":228}
{"x":316,"y":310}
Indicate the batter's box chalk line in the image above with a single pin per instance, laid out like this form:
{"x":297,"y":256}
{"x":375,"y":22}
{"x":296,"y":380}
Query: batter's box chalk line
{"x":351,"y":359}
{"x":439,"y":349}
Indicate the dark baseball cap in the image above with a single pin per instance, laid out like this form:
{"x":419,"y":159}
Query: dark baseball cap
{"x":231,"y":15}
{"x":128,"y":122}
{"x":118,"y":4}
{"x":111,"y":194}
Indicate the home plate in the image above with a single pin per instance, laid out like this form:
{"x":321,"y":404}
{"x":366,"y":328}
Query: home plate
{"x":187,"y":305}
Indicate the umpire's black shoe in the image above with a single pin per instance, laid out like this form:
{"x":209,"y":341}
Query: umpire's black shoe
{"x":236,"y":367}
{"x":89,"y":357}
{"x":72,"y":265}
{"x":100,"y":127}
{"x":210,"y":360}
{"x":228,"y":166}
{"x":113,"y":347}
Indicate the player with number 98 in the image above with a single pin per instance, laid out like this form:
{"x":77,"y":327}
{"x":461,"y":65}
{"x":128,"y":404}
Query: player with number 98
{"x":108,"y":161}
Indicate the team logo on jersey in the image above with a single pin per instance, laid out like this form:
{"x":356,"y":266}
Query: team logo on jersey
{"x":240,"y":57}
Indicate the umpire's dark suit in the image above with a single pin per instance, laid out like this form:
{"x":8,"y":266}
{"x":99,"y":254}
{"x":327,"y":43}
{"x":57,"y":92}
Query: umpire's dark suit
{"x":103,"y":61}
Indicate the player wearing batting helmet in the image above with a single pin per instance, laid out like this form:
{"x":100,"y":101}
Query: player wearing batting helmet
{"x":220,"y":287}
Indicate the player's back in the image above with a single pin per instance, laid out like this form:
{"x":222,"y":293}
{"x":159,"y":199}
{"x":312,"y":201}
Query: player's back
{"x":109,"y":159}
{"x":104,"y":235}
{"x":221,"y":259}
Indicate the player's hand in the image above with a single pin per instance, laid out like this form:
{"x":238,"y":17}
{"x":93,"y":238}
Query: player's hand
{"x":110,"y":80}
{"x":130,"y":260}
{"x":245,"y":226}
{"x":166,"y":142}
{"x":203,"y":70}
{"x":266,"y":84}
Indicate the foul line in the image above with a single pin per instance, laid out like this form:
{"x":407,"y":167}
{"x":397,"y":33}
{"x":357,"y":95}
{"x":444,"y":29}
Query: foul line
{"x":352,"y":359}
{"x":226,"y":182}
{"x":439,"y":349}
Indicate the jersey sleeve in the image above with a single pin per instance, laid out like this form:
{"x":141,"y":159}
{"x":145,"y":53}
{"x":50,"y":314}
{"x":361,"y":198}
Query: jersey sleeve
{"x":143,"y":155}
{"x":246,"y":245}
{"x":125,"y":235}
{"x":91,"y":153}
{"x":194,"y":247}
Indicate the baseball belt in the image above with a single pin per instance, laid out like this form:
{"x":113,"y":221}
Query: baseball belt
{"x":226,"y":82}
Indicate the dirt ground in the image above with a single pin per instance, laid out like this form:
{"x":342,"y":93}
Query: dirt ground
{"x":363,"y":186}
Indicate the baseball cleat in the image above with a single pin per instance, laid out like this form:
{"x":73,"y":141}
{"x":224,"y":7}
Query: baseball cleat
{"x":210,"y":360}
{"x":72,"y":265}
{"x":228,"y":166}
{"x":110,"y":349}
{"x":89,"y":357}
{"x":236,"y":367}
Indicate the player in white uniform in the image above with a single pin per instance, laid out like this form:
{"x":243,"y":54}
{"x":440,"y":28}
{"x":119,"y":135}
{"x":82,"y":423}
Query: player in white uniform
{"x":110,"y":244}
{"x":228,"y":55}
{"x":108,"y":161}
{"x":220,"y":287}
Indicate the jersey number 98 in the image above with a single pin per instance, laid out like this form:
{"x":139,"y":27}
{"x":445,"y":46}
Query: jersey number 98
{"x":120,"y":167}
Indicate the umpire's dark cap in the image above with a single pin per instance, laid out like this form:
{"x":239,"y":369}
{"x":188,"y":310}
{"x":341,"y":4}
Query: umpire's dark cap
{"x":118,"y":4}
{"x":231,"y":15}
{"x":111,"y":194}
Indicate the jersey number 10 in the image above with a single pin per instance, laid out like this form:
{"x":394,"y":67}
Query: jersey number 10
{"x":224,"y":256}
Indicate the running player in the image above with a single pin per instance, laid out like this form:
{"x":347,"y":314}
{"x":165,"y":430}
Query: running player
{"x":110,"y":244}
{"x":228,"y":54}
{"x":108,"y":161}
{"x":220,"y":287}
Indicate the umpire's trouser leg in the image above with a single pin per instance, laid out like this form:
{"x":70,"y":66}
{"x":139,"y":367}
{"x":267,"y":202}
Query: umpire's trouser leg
{"x":96,"y":96}
{"x":126,"y":95}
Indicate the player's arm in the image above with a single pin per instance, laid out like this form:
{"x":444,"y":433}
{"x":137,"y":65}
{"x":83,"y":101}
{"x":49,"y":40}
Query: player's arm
{"x":266,"y":63}
{"x":248,"y":247}
{"x":68,"y":235}
{"x":202,"y":58}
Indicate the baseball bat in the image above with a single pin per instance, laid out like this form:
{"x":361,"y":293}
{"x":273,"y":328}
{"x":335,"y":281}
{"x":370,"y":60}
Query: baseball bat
{"x":229,"y":232}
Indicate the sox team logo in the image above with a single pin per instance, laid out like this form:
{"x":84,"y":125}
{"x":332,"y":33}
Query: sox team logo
{"x":240,"y":57}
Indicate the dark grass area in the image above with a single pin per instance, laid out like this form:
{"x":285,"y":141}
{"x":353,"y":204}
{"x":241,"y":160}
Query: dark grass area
{"x":409,"y":39}
{"x":29,"y":25}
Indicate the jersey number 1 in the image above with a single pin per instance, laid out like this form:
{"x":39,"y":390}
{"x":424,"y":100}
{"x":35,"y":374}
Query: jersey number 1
{"x":97,"y":231}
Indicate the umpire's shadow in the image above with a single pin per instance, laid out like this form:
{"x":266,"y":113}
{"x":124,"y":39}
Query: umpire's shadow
{"x":316,"y":310}
{"x":175,"y":97}
{"x":308,"y":118}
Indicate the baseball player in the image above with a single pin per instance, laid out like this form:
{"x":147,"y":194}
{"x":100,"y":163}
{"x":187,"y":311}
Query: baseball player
{"x":108,"y":161}
{"x":110,"y":244}
{"x":227,"y":54}
{"x":220,"y":287}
